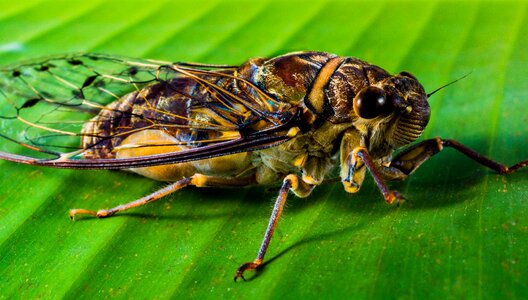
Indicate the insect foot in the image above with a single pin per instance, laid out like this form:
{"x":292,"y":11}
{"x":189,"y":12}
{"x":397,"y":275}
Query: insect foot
{"x":394,"y":197}
{"x":350,"y":186}
{"x":247,"y":266}
{"x":98,"y":214}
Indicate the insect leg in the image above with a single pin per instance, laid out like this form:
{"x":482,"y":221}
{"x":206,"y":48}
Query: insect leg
{"x":290,"y":182}
{"x":197,"y":180}
{"x":352,"y":169}
{"x":361,"y":153}
{"x":411,"y":158}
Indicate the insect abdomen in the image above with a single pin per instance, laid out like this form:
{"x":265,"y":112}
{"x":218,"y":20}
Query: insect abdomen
{"x":157,"y":107}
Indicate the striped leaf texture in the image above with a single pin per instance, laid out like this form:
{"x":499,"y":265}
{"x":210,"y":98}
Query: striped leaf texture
{"x":462,"y":234}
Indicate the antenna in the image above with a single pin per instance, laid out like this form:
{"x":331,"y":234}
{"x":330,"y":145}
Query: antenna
{"x":446,"y":85}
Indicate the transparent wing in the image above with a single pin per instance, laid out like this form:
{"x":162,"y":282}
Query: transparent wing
{"x":45,"y":107}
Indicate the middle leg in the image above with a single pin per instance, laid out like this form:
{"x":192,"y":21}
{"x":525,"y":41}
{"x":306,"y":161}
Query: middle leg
{"x":290,"y":182}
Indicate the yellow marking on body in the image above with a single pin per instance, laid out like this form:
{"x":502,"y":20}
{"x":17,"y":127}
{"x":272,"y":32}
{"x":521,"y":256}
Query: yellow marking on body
{"x":170,"y":172}
{"x":310,"y":180}
{"x":294,"y":181}
{"x":169,"y":143}
{"x":316,"y":97}
{"x":309,"y":116}
{"x":153,"y":142}
{"x":300,"y":160}
{"x":439,"y":143}
{"x":293,"y":131}
{"x":349,"y":188}
{"x":230,"y":134}
{"x":199,"y":180}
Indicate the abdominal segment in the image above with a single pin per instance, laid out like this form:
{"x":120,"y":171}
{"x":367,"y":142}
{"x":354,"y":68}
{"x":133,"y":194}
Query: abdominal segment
{"x":152,"y":142}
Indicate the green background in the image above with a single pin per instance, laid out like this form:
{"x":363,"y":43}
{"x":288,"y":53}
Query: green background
{"x":462,"y":234}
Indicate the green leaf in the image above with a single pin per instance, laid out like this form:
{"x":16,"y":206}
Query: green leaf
{"x":462,"y":234}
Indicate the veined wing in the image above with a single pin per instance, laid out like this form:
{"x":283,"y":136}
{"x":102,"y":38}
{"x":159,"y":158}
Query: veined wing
{"x":45,"y":104}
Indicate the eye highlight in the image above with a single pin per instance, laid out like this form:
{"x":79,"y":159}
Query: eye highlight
{"x":371,"y":102}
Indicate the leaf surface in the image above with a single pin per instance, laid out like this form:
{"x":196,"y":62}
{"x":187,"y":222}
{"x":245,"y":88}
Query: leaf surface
{"x":462,"y":234}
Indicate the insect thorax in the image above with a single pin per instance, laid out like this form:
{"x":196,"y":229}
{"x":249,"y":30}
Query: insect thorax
{"x":328,"y":85}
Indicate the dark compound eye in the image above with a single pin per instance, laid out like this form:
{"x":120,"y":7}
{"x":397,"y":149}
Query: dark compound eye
{"x":371,"y":102}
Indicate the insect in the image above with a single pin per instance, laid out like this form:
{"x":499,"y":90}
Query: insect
{"x":290,"y":119}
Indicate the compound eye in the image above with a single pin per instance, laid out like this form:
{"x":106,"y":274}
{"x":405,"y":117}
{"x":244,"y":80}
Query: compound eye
{"x":371,"y":102}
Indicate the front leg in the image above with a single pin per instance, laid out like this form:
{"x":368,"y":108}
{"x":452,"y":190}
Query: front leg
{"x":413,"y":157}
{"x":355,"y":160}
{"x":361,"y":154}
{"x":352,"y":169}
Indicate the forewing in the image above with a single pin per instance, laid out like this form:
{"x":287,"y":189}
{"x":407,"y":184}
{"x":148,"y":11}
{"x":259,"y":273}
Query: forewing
{"x":44,"y":105}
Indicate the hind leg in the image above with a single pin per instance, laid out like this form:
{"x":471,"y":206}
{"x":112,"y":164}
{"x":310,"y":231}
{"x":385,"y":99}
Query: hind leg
{"x":197,"y":180}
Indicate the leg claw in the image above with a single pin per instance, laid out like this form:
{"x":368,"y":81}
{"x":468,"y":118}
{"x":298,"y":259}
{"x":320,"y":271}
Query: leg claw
{"x":98,"y":214}
{"x":394,"y":197}
{"x":245,"y":267}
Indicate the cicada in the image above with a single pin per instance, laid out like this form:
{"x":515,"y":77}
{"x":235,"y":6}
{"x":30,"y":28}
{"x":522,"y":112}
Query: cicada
{"x":290,"y":119}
